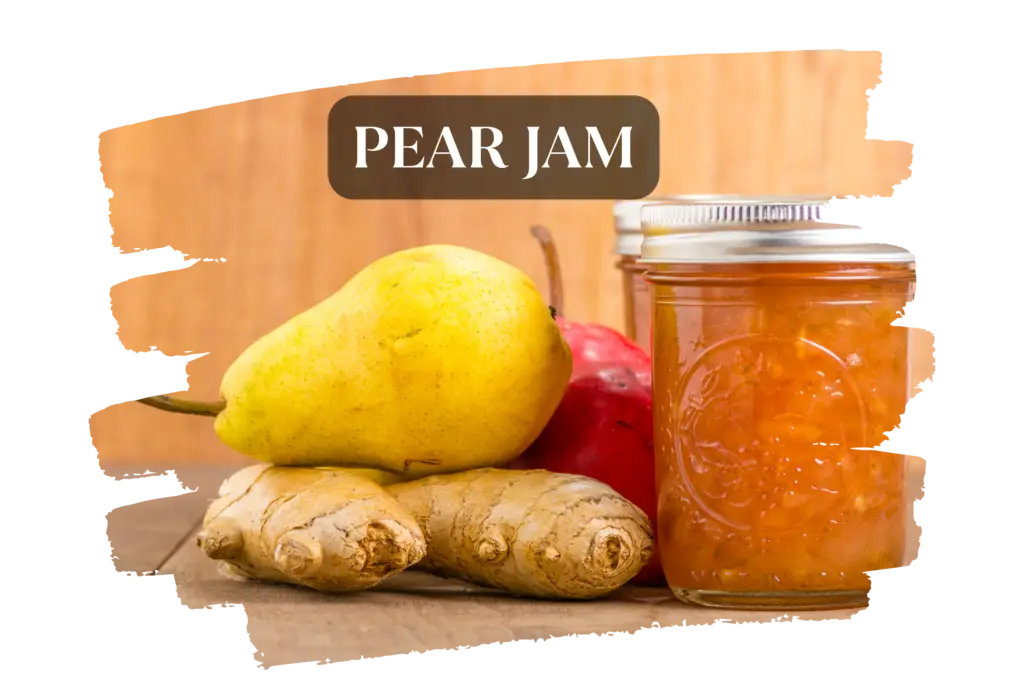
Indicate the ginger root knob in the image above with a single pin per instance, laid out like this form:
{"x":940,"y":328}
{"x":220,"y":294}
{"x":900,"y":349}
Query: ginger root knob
{"x":298,"y":554}
{"x":389,"y":547}
{"x":611,"y":552}
{"x":222,"y":539}
{"x":492,"y":547}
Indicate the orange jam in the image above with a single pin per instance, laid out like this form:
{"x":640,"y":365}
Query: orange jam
{"x":767,"y":379}
{"x":636,"y":298}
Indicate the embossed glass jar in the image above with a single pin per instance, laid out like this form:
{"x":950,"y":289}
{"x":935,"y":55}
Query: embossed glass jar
{"x":775,"y":362}
{"x":628,"y":238}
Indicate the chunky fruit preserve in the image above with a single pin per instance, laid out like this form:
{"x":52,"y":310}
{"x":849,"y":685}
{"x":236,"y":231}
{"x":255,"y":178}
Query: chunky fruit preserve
{"x":772,"y":382}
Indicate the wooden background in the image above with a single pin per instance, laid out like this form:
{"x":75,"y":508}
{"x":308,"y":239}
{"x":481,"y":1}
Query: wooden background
{"x":247,"y":182}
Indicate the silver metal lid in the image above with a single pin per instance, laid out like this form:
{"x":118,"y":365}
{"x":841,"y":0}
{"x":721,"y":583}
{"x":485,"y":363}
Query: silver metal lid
{"x":628,"y":230}
{"x":763,"y":229}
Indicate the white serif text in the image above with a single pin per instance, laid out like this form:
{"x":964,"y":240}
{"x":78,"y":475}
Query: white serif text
{"x":484,"y":144}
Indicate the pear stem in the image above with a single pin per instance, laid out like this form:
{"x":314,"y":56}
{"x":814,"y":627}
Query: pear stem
{"x":192,"y":408}
{"x":554,"y":270}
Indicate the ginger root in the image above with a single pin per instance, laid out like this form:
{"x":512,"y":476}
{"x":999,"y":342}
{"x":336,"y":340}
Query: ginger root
{"x":533,"y":533}
{"x":333,"y":530}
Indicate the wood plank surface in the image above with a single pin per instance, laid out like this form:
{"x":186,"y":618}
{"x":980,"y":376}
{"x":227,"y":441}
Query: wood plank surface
{"x":415,"y":613}
{"x":247,"y":183}
{"x":143,"y":536}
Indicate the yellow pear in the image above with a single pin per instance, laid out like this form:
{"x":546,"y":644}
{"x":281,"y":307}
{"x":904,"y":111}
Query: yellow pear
{"x":430,"y":360}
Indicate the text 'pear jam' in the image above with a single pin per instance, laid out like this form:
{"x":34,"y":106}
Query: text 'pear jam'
{"x":776,"y":369}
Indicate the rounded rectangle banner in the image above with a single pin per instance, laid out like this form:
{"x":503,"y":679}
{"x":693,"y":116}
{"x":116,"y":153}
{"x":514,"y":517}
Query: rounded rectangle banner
{"x":493,"y":147}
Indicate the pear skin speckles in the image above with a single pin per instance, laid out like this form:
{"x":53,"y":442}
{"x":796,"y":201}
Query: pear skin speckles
{"x":430,"y":360}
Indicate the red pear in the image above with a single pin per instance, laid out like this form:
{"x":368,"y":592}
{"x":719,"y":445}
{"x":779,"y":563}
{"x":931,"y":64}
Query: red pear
{"x":604,"y":426}
{"x":595,"y":345}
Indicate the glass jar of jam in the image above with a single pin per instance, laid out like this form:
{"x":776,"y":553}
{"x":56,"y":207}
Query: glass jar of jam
{"x":628,"y":238}
{"x":776,"y":369}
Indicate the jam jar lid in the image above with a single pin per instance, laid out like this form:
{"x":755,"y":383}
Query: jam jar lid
{"x":628,"y":230}
{"x":762,"y":229}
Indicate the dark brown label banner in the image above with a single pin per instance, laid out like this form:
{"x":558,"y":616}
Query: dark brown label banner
{"x":495,"y":147}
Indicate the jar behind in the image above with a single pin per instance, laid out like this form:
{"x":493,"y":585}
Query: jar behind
{"x":628,"y":239}
{"x":774,"y":360}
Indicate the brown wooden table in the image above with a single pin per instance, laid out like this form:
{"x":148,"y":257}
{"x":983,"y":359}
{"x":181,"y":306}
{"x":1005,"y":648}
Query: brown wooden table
{"x":411,"y":612}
